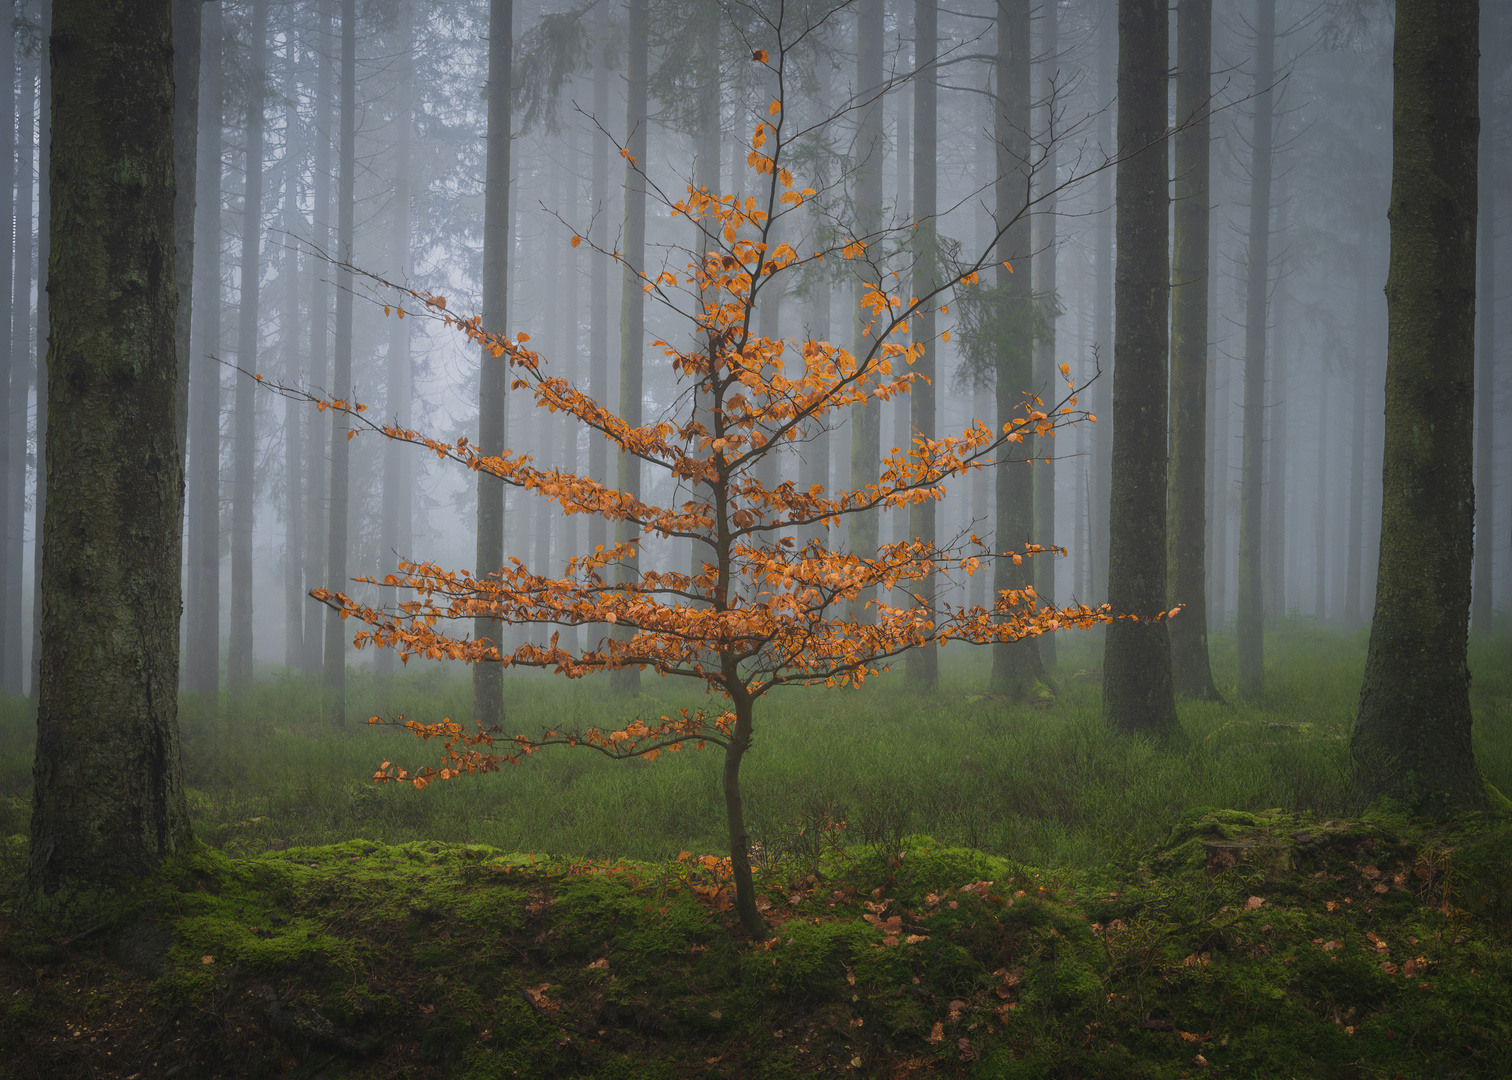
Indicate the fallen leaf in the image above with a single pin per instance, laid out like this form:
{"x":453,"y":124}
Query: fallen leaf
{"x":1253,"y":903}
{"x":936,"y":1033}
{"x":601,"y":964}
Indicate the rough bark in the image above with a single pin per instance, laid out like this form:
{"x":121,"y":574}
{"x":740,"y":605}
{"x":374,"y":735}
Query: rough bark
{"x":108,"y":799}
{"x":1016,"y":665}
{"x":334,"y":660}
{"x":187,"y":24}
{"x":1186,"y":555}
{"x":1137,"y":692}
{"x":1411,"y":740}
{"x":244,"y":409}
{"x":1251,"y":619}
{"x":202,"y":637}
{"x":632,"y":302}
{"x":488,"y":679}
{"x":864,"y":529}
{"x":1485,"y":369}
{"x":8,"y":218}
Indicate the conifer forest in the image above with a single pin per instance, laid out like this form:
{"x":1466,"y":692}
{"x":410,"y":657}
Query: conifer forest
{"x":650,"y":539}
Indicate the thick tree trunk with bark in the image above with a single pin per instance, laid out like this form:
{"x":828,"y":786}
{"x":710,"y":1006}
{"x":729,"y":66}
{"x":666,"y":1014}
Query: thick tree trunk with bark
{"x":1411,"y":740}
{"x":632,"y":301}
{"x":1251,"y":622}
{"x":108,"y":799}
{"x":244,"y":440}
{"x":334,"y":660}
{"x":1016,"y":665}
{"x":8,"y":218}
{"x":1485,"y":369}
{"x":187,"y":24}
{"x":923,"y":668}
{"x":488,"y":679}
{"x":1186,"y":557}
{"x":1137,"y":692}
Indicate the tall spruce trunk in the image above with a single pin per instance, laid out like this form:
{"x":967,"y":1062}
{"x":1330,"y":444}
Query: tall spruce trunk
{"x":1411,"y":740}
{"x":44,"y":126}
{"x":396,"y":511}
{"x":8,"y":219}
{"x":1320,"y":521}
{"x":1047,"y":379}
{"x":1186,"y":555}
{"x":923,"y":668}
{"x":598,"y":283}
{"x":108,"y":798}
{"x":334,"y":660}
{"x":1100,"y":477}
{"x":202,"y":635}
{"x":20,"y":384}
{"x":244,"y":424}
{"x":1354,"y":559}
{"x":1485,"y":369}
{"x":1137,"y":692}
{"x":864,"y":529}
{"x":1276,"y":414}
{"x":1016,"y":665}
{"x":318,"y":446}
{"x":488,"y":679}
{"x":1251,"y":624}
{"x":632,"y":303}
{"x":288,"y":332}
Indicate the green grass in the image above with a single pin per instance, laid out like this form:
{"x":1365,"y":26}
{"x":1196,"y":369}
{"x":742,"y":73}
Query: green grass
{"x":1045,"y":785}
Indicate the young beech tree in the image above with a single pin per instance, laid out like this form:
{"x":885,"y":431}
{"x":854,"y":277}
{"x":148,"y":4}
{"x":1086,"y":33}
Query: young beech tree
{"x":764,"y":609}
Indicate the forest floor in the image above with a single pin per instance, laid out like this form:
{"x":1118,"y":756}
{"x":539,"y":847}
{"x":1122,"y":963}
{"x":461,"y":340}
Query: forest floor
{"x":954,"y":887}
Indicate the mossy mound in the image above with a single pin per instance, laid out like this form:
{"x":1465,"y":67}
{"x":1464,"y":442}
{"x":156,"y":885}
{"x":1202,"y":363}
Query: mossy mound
{"x":1260,"y":945}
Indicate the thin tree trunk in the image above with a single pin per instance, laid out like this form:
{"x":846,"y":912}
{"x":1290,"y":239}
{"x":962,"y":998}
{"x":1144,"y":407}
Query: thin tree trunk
{"x":1101,"y":477}
{"x":1320,"y":522}
{"x":1276,"y":414}
{"x":316,"y":489}
{"x":44,"y":125}
{"x":1355,"y":554}
{"x":108,"y":802}
{"x":1411,"y":740}
{"x":20,"y":384}
{"x":1016,"y":665}
{"x":1251,"y":625}
{"x":1046,"y":377}
{"x":8,"y":218}
{"x":923,"y":668}
{"x":598,"y":284}
{"x":336,"y":553}
{"x":1137,"y":692}
{"x":488,"y":678}
{"x":864,"y":529}
{"x":1186,"y":557}
{"x":396,"y":490}
{"x":244,"y":441}
{"x":632,"y":303}
{"x":202,"y":644}
{"x":294,"y":437}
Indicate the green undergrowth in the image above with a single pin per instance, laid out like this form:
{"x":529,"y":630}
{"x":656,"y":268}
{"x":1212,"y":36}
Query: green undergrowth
{"x":1245,"y":944}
